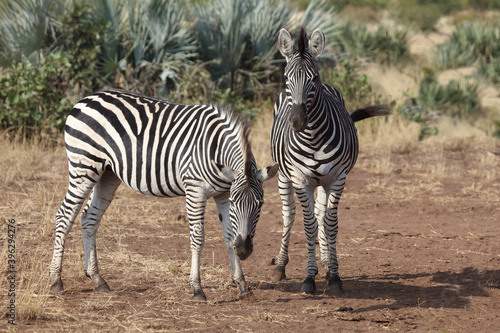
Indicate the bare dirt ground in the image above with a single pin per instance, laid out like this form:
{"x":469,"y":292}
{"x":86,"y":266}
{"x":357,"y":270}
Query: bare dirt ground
{"x":418,"y":250}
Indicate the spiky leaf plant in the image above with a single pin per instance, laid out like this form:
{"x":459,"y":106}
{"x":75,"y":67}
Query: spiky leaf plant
{"x":321,"y":14}
{"x":384,"y":44}
{"x":27,"y":29}
{"x":240,"y":34}
{"x":157,"y":44}
{"x":471,"y":43}
{"x":490,"y":72}
{"x":455,"y":100}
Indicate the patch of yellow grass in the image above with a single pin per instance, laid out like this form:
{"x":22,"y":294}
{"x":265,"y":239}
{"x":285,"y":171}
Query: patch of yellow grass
{"x":260,"y":137}
{"x":393,"y":133}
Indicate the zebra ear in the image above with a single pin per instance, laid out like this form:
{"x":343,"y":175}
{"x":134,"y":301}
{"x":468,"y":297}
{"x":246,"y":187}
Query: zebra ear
{"x":317,"y":43}
{"x":225,"y":172}
{"x":267,"y":173}
{"x":285,"y":44}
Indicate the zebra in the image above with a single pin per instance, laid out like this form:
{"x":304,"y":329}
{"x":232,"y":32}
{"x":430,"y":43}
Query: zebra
{"x":162,"y":149}
{"x":315,"y":144}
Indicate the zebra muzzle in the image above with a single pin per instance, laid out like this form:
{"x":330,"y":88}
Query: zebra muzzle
{"x":244,"y":247}
{"x":298,"y":117}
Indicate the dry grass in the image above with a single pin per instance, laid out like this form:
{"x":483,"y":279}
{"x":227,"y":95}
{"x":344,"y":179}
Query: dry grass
{"x":388,"y":134}
{"x":33,"y":178}
{"x":150,"y":282}
{"x":259,"y":137}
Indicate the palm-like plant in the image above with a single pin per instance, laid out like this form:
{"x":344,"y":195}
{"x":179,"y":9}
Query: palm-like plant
{"x":27,"y":29}
{"x":157,"y":42}
{"x":321,"y":14}
{"x":240,"y":34}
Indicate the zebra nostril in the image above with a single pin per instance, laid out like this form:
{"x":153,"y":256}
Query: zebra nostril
{"x":238,"y":242}
{"x":298,"y":117}
{"x":296,"y":123}
{"x":243,"y":248}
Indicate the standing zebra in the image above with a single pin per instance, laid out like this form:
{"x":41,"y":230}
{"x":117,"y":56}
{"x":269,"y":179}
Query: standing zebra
{"x":164,"y":149}
{"x":314,"y":142}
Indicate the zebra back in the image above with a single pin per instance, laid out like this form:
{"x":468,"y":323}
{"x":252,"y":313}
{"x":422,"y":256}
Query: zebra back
{"x":155,"y":146}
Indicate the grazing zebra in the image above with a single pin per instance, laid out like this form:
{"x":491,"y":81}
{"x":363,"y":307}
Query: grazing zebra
{"x":314,"y":142}
{"x":163,"y":149}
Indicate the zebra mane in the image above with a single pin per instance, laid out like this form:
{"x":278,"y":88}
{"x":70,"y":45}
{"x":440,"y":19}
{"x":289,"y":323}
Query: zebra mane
{"x":243,"y":125}
{"x":248,"y":151}
{"x":302,"y":41}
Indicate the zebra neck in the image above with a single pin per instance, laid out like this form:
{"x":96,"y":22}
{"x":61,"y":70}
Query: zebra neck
{"x":318,"y":113}
{"x":230,"y":150}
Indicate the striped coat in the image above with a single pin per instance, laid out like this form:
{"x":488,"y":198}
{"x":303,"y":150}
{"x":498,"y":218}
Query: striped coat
{"x":163,"y":149}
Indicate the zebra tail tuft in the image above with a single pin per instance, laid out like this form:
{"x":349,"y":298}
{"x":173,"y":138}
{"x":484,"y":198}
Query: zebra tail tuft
{"x":370,"y":111}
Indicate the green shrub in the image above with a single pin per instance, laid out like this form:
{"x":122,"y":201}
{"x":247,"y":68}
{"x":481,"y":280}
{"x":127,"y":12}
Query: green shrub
{"x":39,"y":94}
{"x":422,"y":16}
{"x":377,"y":4}
{"x":434,"y":101}
{"x":471,"y":43}
{"x":80,"y":38}
{"x":34,"y":96}
{"x":490,"y":72}
{"x":385,"y":44}
{"x":355,"y":89}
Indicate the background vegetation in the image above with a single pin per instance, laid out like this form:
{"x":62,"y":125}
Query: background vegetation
{"x":54,"y":52}
{"x":436,"y":148}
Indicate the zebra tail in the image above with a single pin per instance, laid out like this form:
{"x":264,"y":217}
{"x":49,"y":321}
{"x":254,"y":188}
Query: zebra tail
{"x":370,"y":111}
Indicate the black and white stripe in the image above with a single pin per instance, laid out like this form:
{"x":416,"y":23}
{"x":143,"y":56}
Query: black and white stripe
{"x":314,"y":142}
{"x":162,"y":149}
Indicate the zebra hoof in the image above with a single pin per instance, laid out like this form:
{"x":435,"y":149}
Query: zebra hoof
{"x":246,"y":295}
{"x":56,"y":287}
{"x":278,"y":274}
{"x":335,"y":284}
{"x":103,"y":288}
{"x":309,"y":286}
{"x":199,"y":296}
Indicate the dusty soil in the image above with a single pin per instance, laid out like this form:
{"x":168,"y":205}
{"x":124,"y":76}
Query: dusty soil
{"x":418,"y":247}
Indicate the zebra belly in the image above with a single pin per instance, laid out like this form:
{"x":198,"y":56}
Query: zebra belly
{"x":165,"y":187}
{"x":323,"y":174}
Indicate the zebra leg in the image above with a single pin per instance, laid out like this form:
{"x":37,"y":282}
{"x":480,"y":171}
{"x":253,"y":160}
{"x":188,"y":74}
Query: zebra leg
{"x":223,"y":204}
{"x":288,"y":213}
{"x":319,"y":212}
{"x":91,"y":216}
{"x":195,"y":204}
{"x":331,"y":229}
{"x":306,"y":197}
{"x":79,"y":187}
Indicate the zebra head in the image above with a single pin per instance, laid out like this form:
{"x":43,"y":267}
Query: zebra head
{"x":301,"y":74}
{"x":246,"y":197}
